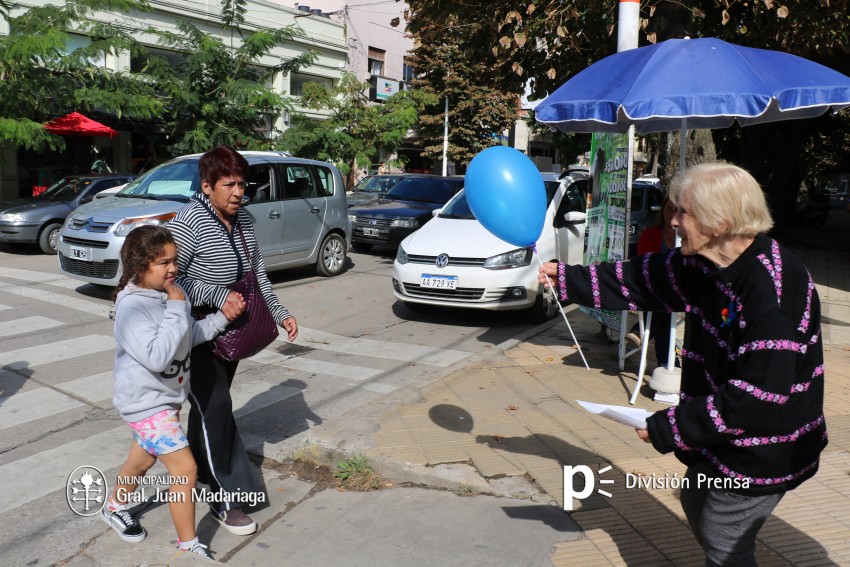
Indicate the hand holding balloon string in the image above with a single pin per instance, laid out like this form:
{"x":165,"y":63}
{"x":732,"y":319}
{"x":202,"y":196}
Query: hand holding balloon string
{"x":506,"y":194}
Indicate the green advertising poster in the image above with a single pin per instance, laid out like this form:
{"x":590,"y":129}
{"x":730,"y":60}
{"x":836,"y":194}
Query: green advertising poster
{"x":606,"y":217}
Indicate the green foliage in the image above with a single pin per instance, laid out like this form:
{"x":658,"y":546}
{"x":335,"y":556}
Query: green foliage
{"x":41,"y":79}
{"x":356,"y":473}
{"x":540,"y":45}
{"x":355,"y":129}
{"x":479,"y":106}
{"x":219,"y":94}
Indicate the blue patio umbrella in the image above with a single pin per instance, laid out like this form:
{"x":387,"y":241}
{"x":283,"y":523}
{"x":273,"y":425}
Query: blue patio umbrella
{"x":707,"y":82}
{"x":692,"y":83}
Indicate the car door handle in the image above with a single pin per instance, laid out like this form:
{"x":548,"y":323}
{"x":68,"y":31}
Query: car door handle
{"x":315,"y":210}
{"x":274,"y":215}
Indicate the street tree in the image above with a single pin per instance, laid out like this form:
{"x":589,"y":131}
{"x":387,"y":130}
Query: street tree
{"x":42,"y":78}
{"x":355,"y":129}
{"x":540,"y":44}
{"x":479,"y":111}
{"x":219,"y":93}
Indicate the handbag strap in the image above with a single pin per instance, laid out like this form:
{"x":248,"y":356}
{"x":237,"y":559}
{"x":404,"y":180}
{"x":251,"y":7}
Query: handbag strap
{"x":247,"y":251}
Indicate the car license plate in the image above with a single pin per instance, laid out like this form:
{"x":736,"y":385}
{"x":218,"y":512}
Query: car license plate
{"x":438,"y":282}
{"x":371,"y":232}
{"x":79,"y":253}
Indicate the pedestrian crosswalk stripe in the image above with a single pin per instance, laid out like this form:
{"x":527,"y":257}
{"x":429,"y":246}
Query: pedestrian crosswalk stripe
{"x":47,"y":471}
{"x":249,"y":397}
{"x":378,"y":349}
{"x":96,"y":388}
{"x":55,"y":351}
{"x":32,"y":276}
{"x":35,"y":476}
{"x":380,"y":388}
{"x":91,"y":307}
{"x":316,"y":366}
{"x":31,"y":405}
{"x":28,"y":325}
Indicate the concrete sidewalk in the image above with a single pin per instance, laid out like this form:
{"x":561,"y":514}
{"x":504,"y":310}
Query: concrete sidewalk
{"x":512,"y":416}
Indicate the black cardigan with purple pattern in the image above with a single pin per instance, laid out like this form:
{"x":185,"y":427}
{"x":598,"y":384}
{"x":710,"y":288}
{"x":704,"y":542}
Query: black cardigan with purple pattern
{"x":751,"y":401}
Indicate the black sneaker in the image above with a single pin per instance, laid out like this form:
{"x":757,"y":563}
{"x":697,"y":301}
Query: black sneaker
{"x":235,"y":521}
{"x":124,"y":524}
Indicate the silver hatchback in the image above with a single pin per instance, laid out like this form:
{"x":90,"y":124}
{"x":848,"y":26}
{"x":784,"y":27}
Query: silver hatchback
{"x":298,"y":208}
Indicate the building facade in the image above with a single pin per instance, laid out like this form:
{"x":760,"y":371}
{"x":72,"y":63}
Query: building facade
{"x":135,"y":145}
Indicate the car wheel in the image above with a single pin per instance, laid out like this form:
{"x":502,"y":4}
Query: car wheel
{"x":331,"y":260}
{"x":49,"y":238}
{"x":545,"y":307}
{"x":360,"y":247}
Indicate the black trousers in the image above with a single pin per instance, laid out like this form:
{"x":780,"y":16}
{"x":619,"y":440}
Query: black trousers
{"x":213,"y":438}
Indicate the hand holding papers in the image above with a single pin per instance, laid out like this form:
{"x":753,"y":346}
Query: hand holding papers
{"x":636,"y":417}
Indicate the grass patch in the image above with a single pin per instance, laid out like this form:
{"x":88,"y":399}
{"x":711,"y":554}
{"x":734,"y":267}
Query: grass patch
{"x":465,"y":490}
{"x":356,"y":473}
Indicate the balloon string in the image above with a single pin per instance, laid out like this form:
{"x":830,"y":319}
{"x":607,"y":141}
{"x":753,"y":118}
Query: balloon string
{"x":560,"y":307}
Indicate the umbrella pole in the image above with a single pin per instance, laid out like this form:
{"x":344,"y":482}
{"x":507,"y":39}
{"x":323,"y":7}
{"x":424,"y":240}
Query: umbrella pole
{"x":671,"y":353}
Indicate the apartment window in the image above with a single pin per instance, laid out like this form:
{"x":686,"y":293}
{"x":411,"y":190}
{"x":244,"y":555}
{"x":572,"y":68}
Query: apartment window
{"x":407,"y":71}
{"x":298,"y":80}
{"x":376,"y":61}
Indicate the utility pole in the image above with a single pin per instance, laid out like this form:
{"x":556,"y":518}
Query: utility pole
{"x":446,"y":139}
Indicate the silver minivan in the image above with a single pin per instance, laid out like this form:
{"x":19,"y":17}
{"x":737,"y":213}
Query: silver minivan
{"x":298,"y":208}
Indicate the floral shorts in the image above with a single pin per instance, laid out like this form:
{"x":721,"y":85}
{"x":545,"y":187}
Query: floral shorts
{"x":160,"y":433}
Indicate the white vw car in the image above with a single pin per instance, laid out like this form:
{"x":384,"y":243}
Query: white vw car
{"x":454,"y":261}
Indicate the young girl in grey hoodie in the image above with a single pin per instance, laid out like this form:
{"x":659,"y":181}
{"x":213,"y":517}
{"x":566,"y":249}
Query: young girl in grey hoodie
{"x":154,"y":335}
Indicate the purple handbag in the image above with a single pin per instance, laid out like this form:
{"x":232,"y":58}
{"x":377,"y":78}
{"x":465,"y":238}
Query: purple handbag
{"x":252,"y":331}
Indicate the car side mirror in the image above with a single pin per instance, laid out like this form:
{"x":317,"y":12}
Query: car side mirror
{"x":575,"y":217}
{"x":436,"y":212}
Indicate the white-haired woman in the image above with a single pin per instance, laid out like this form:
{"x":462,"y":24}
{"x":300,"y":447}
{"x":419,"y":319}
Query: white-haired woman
{"x":750,"y":424}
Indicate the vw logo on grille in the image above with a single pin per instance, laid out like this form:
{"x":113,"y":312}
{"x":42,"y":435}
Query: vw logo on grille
{"x":442,"y":260}
{"x":373,"y":222}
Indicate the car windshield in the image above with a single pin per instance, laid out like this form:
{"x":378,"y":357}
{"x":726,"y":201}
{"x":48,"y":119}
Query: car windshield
{"x":65,"y":189}
{"x":174,"y":181}
{"x":424,"y":190}
{"x":377,"y":183}
{"x":458,"y":208}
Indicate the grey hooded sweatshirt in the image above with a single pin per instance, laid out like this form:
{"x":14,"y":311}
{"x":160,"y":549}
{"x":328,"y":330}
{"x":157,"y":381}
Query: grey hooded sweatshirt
{"x":154,"y":337}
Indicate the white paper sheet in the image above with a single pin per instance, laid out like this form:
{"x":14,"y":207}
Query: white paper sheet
{"x":635,"y":417}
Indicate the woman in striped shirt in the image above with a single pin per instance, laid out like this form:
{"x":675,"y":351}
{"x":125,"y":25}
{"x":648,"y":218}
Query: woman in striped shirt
{"x":216,"y":245}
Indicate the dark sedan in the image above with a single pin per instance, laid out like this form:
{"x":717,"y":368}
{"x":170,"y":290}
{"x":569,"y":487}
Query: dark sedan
{"x":405,"y":207}
{"x":38,"y":219}
{"x":372,"y":188}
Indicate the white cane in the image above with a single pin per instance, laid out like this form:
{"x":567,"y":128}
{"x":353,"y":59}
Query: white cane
{"x":560,"y":307}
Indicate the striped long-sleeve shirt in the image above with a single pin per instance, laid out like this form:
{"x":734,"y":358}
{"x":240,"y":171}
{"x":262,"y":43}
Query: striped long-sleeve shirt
{"x":751,"y":400}
{"x":209,"y":258}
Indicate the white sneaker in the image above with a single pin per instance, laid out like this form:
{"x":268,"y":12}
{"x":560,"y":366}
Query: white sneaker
{"x":197,"y":548}
{"x":124,"y":524}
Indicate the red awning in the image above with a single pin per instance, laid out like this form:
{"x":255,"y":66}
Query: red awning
{"x":75,"y":124}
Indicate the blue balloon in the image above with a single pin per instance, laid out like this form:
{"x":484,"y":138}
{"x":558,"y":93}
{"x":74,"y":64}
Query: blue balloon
{"x":506,"y":194}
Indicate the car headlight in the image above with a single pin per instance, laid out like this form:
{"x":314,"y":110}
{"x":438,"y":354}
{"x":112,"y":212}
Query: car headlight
{"x":513,"y":259}
{"x":352,"y":218}
{"x":406,"y":223}
{"x":401,"y":256}
{"x":125,"y":226}
{"x":12,"y":217}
